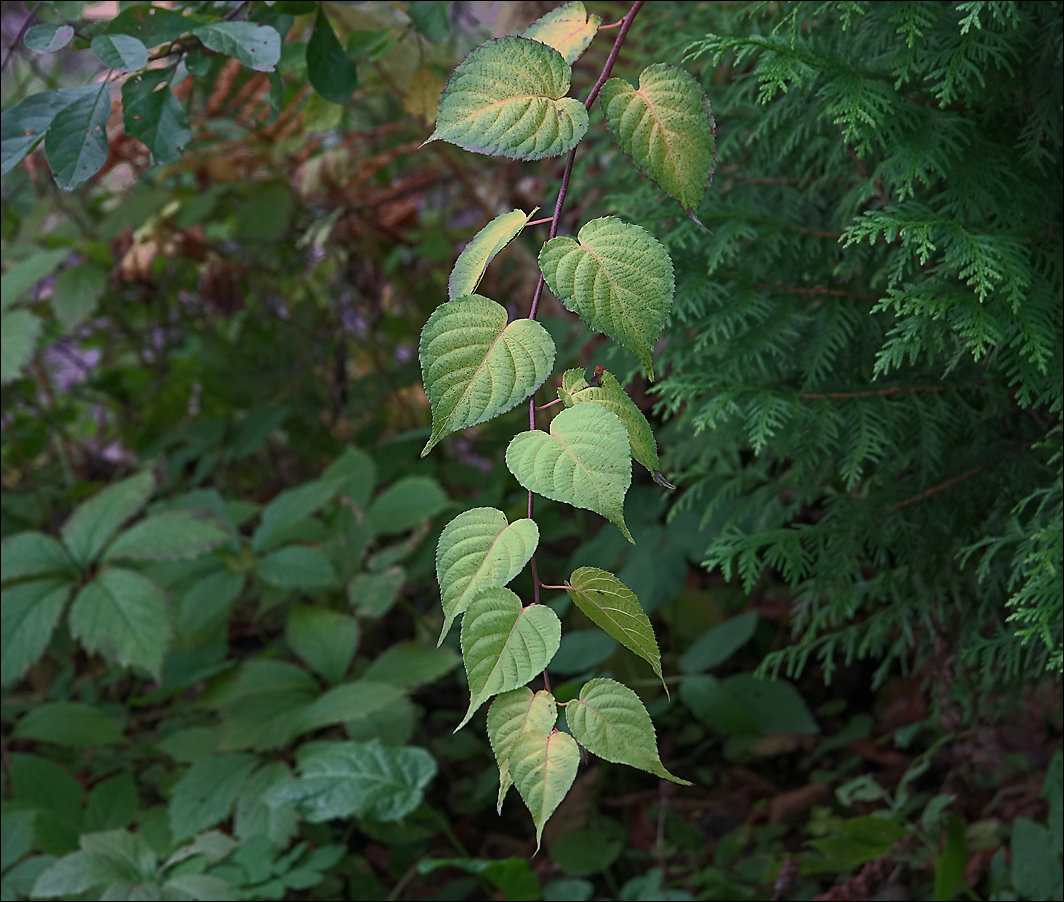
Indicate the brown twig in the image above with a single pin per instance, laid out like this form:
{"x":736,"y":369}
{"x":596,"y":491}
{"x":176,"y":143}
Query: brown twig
{"x":816,"y":292}
{"x":934,"y":490}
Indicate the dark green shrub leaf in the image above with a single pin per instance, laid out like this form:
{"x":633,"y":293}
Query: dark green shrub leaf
{"x":718,"y":644}
{"x":33,"y":554}
{"x":373,"y":594}
{"x":297,"y":567}
{"x":406,"y":504}
{"x":156,"y":118}
{"x":112,"y":805}
{"x":76,"y":144}
{"x":1036,"y":871}
{"x":430,"y":18}
{"x":151,"y":25}
{"x":332,"y":73}
{"x":16,"y":837}
{"x":169,"y":536}
{"x":584,"y":853}
{"x":68,"y":723}
{"x":76,"y":293}
{"x":24,"y":124}
{"x":205,"y":795}
{"x":409,"y":665}
{"x":18,"y":342}
{"x":349,"y":701}
{"x":324,"y":639}
{"x":582,"y":650}
{"x":256,"y":46}
{"x":120,"y":51}
{"x":27,"y":273}
{"x":48,"y":38}
{"x":94,"y":521}
{"x":30,"y":612}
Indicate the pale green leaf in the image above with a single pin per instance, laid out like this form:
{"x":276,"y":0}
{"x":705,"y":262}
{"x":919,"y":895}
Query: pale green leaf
{"x":171,"y":535}
{"x":297,"y":567}
{"x":123,"y":615}
{"x":30,"y":612}
{"x":666,"y":127}
{"x":575,"y":390}
{"x":475,"y":257}
{"x":97,"y":519}
{"x":205,"y":795}
{"x":411,"y":664}
{"x":476,"y":366}
{"x":348,"y":701}
{"x":68,"y":723}
{"x":406,"y":504}
{"x":507,"y":99}
{"x":618,"y":278}
{"x":511,"y":714}
{"x":504,"y":644}
{"x":609,"y":720}
{"x":567,"y":28}
{"x":324,"y":639}
{"x":256,"y":46}
{"x":478,"y":549}
{"x":584,"y":461}
{"x":18,"y":341}
{"x":120,"y":51}
{"x":611,"y":605}
{"x":33,"y":554}
{"x":48,"y":38}
{"x":543,"y":768}
{"x":24,"y":124}
{"x":76,"y":144}
{"x":76,"y":293}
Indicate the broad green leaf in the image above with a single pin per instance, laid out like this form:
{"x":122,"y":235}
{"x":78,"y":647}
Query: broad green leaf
{"x":476,"y":366}
{"x":584,"y":461}
{"x":263,"y":705}
{"x":543,"y":768}
{"x":356,"y":473}
{"x":76,"y":144}
{"x":406,"y":504}
{"x":478,"y":549}
{"x":170,"y":536}
{"x":123,"y":615}
{"x":205,"y":887}
{"x":504,"y":644}
{"x":473,"y":261}
{"x":373,"y":594}
{"x":507,"y":99}
{"x":710,"y":701}
{"x":950,"y":865}
{"x":364,"y":779}
{"x":430,"y":18}
{"x":204,"y":609}
{"x":297,"y":567}
{"x":112,"y":804}
{"x":575,"y":390}
{"x":74,"y":874}
{"x":205,"y":795}
{"x":720,"y":643}
{"x":348,"y":701}
{"x":68,"y":723}
{"x":120,"y":51}
{"x":582,"y":650}
{"x":778,"y":706}
{"x":511,"y":714}
{"x":291,"y":506}
{"x":30,"y":612}
{"x":611,"y":605}
{"x":18,"y":341}
{"x":666,"y":127}
{"x":512,"y":877}
{"x":1036,"y":872}
{"x":617,"y":278}
{"x":151,"y":25}
{"x":94,"y":521}
{"x":16,"y":837}
{"x":567,"y":28}
{"x":584,"y":853}
{"x":256,"y":46}
{"x":27,"y":273}
{"x":48,"y":38}
{"x":324,"y":639}
{"x":157,"y":118}
{"x":76,"y":293}
{"x":332,"y":73}
{"x":253,"y":816}
{"x":22,"y":126}
{"x":411,"y":664}
{"x":104,"y":859}
{"x":33,"y":554}
{"x":609,"y":720}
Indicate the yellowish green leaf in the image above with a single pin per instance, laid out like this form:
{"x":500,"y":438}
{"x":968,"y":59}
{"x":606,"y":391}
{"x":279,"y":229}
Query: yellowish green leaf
{"x":568,"y":29}
{"x":543,"y":768}
{"x":474,"y":259}
{"x":510,"y":715}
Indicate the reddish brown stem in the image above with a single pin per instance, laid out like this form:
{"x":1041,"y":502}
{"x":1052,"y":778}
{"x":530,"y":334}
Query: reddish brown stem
{"x":934,"y":490}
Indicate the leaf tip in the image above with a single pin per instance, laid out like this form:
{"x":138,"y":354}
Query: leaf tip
{"x":660,"y":479}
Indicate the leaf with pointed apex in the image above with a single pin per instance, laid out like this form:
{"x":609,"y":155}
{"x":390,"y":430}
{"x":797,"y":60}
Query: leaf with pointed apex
{"x":507,"y":99}
{"x":48,"y":38}
{"x":170,"y":535}
{"x":76,"y":144}
{"x":510,"y":715}
{"x":33,"y":554}
{"x":609,"y":720}
{"x":610,"y":395}
{"x":611,"y":605}
{"x":475,"y":257}
{"x":256,"y":46}
{"x":504,"y":644}
{"x":618,"y":278}
{"x":97,"y":519}
{"x":30,"y":613}
{"x":666,"y":127}
{"x":158,"y":119}
{"x":476,"y":366}
{"x":24,"y":124}
{"x":543,"y":768}
{"x":477,"y":550}
{"x":584,"y":461}
{"x":568,"y":29}
{"x":120,"y":51}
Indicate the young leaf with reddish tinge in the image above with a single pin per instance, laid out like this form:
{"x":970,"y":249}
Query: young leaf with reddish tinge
{"x":504,"y":644}
{"x":507,"y":99}
{"x":618,"y":278}
{"x":666,"y":127}
{"x":543,"y":768}
{"x":510,"y":715}
{"x":475,"y":257}
{"x":584,"y":461}
{"x":609,"y":720}
{"x":568,"y":29}
{"x":611,"y":605}
{"x":475,"y":365}
{"x":478,"y":550}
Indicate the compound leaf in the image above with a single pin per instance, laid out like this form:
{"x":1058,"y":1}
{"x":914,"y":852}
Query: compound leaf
{"x":609,"y":720}
{"x":475,"y":257}
{"x":584,"y":461}
{"x":611,"y":605}
{"x":543,"y":768}
{"x":510,"y":715}
{"x":169,"y":536}
{"x":504,"y":644}
{"x":568,"y":29}
{"x":666,"y":127}
{"x":76,"y":144}
{"x":478,"y":549}
{"x":32,"y":554}
{"x":618,"y":278}
{"x":97,"y":519}
{"x":476,"y":366}
{"x":120,"y":51}
{"x":507,"y":99}
{"x":30,"y":612}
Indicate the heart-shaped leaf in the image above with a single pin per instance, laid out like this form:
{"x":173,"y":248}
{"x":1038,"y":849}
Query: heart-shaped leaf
{"x":543,"y":768}
{"x":477,"y":550}
{"x":584,"y":461}
{"x":666,"y":127}
{"x":504,"y":644}
{"x":609,"y":720}
{"x":510,"y":715}
{"x":618,"y":278}
{"x":611,"y":605}
{"x":476,"y":366}
{"x":507,"y":99}
{"x":475,"y":257}
{"x":568,"y":29}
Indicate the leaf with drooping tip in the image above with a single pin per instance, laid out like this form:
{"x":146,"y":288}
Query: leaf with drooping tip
{"x":613,"y":607}
{"x":584,"y":461}
{"x":507,"y":99}
{"x":609,"y":720}
{"x":476,"y":366}
{"x":510,"y":715}
{"x":475,"y":257}
{"x":666,"y":127}
{"x":543,"y":768}
{"x":504,"y":644}
{"x":617,"y":278}
{"x":477,"y":550}
{"x":568,"y":29}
